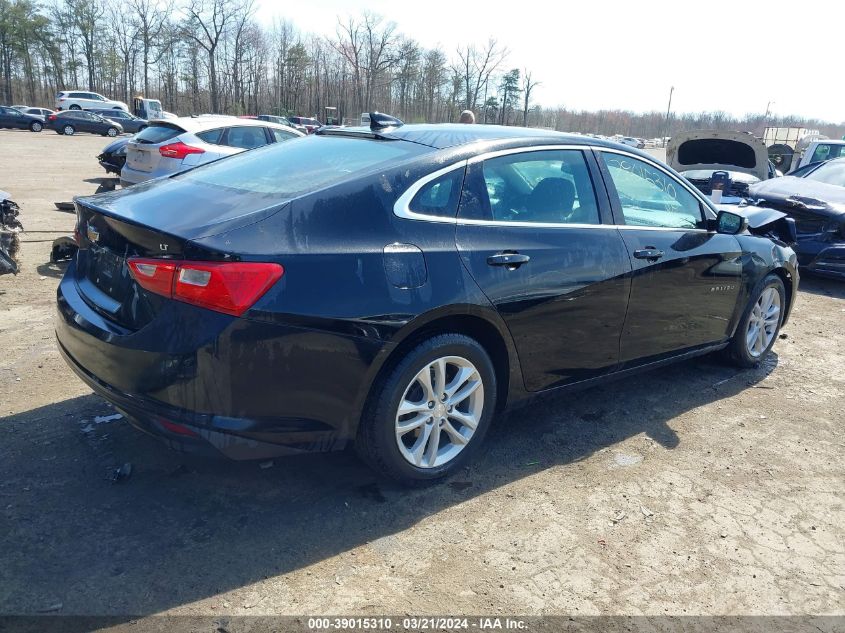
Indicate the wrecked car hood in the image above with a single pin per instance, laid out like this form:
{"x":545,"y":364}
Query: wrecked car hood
{"x":709,"y":150}
{"x":801,"y":193}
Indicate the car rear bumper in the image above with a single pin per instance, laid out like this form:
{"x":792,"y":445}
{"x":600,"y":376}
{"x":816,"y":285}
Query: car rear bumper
{"x":129,"y":176}
{"x":241,"y":388}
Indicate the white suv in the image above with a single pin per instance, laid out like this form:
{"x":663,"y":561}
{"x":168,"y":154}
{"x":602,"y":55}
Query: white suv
{"x":79,"y":100}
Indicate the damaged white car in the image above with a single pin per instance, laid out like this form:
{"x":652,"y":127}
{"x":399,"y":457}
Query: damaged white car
{"x":700,"y":157}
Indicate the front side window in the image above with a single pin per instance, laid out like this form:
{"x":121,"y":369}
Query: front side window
{"x":649,"y":197}
{"x":551,"y":186}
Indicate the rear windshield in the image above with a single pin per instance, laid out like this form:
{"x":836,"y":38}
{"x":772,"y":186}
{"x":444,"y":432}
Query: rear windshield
{"x":303,"y":164}
{"x":158,"y":133}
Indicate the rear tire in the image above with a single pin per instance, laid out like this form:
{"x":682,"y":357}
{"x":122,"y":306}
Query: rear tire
{"x":36,"y":126}
{"x":112,"y":132}
{"x":74,"y":107}
{"x":759,"y":325}
{"x":68,"y":130}
{"x":434,"y":437}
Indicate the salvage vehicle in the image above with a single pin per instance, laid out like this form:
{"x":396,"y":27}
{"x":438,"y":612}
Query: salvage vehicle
{"x":394,"y":286}
{"x":10,"y":229}
{"x":17,"y":120}
{"x":113,"y":156}
{"x":169,"y":147}
{"x":819,"y":151}
{"x":697,"y":155}
{"x":69,"y":122}
{"x":816,"y":201}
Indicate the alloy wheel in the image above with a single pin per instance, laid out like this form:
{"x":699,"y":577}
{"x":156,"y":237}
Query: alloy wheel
{"x":68,"y":130}
{"x":112,"y":132}
{"x":36,"y":127}
{"x":439,"y":412}
{"x":763,"y":322}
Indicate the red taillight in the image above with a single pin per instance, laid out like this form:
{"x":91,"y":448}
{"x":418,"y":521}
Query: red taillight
{"x":52,"y":117}
{"x":179,"y":150}
{"x":230,"y":287}
{"x":179,"y":429}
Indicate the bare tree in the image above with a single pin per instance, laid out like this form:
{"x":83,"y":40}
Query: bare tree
{"x":151,"y":16}
{"x":528,"y":85}
{"x":476,"y":66}
{"x":207,"y":24}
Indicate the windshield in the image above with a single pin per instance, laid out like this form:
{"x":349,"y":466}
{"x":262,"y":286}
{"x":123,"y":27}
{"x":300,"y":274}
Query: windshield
{"x":832,"y":173}
{"x":303,"y":164}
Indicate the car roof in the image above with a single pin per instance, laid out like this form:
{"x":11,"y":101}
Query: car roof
{"x":202,"y":122}
{"x":448,"y":135}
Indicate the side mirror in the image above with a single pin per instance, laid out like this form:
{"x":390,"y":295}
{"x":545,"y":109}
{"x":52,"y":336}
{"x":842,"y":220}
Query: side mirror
{"x":730,"y":223}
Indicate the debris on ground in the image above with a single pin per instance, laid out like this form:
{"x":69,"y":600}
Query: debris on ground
{"x":619,"y":516}
{"x":10,"y":229}
{"x":65,"y":206}
{"x":64,"y":248}
{"x":102,"y":419}
{"x":646,"y":512}
{"x":121,"y":474}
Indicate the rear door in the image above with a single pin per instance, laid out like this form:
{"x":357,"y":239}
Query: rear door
{"x":686,"y":280}
{"x":530,"y":231}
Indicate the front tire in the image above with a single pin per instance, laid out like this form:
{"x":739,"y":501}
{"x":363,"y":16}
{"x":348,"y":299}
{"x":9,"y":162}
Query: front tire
{"x":68,"y":130}
{"x":431,"y":412}
{"x":74,"y":107}
{"x":36,"y":126}
{"x":112,"y":132}
{"x":760,"y":324}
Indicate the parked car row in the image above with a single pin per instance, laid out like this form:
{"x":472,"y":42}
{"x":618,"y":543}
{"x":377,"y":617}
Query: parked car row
{"x":13,"y":118}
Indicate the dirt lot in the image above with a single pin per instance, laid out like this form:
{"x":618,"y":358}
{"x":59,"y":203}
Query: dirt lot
{"x":693,"y":490}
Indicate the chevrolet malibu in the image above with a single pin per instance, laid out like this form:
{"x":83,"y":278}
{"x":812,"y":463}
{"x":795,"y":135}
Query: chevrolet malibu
{"x":395,"y":286}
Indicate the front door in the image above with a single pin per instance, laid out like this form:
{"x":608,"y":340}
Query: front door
{"x":686,"y":279}
{"x":530,"y":233}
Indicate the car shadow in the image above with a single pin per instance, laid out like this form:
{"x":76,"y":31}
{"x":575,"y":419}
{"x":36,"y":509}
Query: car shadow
{"x":823,"y":286}
{"x":180,"y":529}
{"x":52,"y":269}
{"x":104,"y":183}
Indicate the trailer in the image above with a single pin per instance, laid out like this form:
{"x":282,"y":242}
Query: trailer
{"x":784,"y":143}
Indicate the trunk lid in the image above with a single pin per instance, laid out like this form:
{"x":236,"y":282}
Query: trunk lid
{"x":718,"y":151}
{"x":158,"y":220}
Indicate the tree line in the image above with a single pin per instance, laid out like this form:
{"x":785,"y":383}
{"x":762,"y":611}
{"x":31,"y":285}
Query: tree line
{"x":215,"y":56}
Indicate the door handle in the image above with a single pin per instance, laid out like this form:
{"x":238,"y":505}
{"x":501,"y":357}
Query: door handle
{"x":649,"y":253}
{"x":511,"y":260}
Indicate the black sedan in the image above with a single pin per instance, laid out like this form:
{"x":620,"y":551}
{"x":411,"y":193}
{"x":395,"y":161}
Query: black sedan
{"x":69,"y":122}
{"x":130,"y":123}
{"x":814,"y":196}
{"x":17,"y":120}
{"x":396,"y":286}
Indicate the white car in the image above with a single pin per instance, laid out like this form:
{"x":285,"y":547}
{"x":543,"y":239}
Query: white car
{"x":175,"y":145}
{"x":79,"y":100}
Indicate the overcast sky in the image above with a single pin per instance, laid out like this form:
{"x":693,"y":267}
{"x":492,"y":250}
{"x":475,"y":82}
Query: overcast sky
{"x":592,"y":54}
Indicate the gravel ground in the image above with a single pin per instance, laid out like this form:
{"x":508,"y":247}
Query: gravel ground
{"x":693,"y":490}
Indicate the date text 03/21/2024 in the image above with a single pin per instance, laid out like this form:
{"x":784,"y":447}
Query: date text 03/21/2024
{"x":418,"y":624}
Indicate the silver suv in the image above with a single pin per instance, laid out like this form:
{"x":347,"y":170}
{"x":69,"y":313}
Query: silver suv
{"x":169,"y":147}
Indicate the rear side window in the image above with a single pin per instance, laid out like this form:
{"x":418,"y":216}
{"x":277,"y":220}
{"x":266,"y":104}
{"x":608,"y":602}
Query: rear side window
{"x":281,"y":135}
{"x":211,"y":136}
{"x":440,"y":196}
{"x":304,"y":164}
{"x":246,"y":137}
{"x":155,"y":134}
